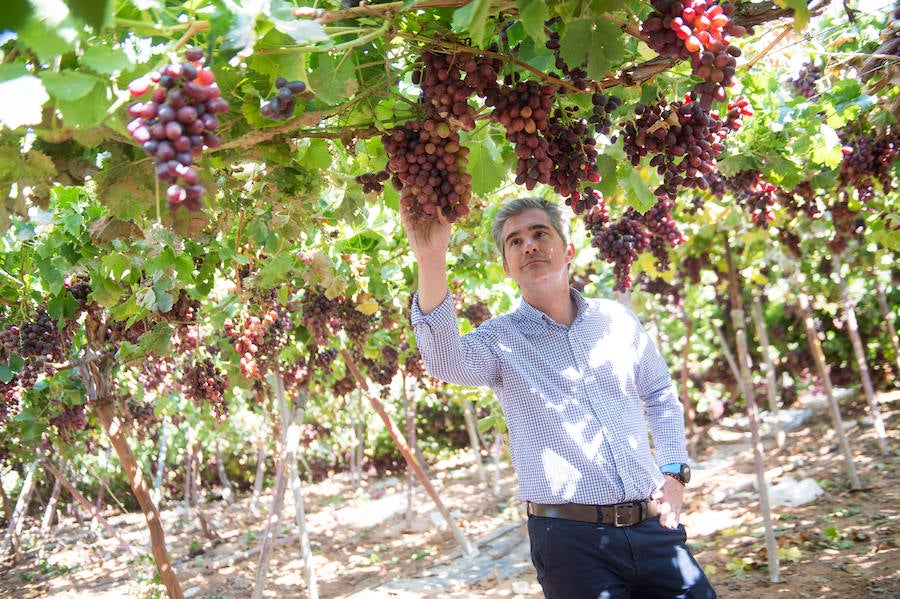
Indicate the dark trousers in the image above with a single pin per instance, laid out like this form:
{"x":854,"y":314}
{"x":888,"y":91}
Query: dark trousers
{"x":580,"y":560}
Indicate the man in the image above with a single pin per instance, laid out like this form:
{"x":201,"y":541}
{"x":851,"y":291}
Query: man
{"x":580,"y":383}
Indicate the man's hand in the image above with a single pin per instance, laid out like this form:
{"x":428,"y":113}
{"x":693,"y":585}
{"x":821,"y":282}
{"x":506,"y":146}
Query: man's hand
{"x":670,"y":499}
{"x":429,"y":240}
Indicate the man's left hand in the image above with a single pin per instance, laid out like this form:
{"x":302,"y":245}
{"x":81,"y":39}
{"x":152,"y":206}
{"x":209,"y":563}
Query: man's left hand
{"x":670,"y":499}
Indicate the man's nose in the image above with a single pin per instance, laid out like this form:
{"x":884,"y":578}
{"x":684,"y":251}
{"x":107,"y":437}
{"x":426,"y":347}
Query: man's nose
{"x":529,"y":245}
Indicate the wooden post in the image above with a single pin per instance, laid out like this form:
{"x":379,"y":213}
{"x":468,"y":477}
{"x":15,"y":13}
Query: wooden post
{"x":468,"y":548}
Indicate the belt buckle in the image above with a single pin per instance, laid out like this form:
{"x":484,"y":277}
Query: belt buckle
{"x":628,"y":506}
{"x":616,"y":522}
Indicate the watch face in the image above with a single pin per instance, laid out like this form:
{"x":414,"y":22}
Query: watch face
{"x":686,"y":473}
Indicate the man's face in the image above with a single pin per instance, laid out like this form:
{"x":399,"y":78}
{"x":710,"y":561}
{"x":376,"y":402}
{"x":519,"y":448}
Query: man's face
{"x":534,"y":250}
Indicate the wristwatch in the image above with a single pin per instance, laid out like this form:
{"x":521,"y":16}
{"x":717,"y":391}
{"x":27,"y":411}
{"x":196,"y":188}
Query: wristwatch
{"x":680,"y":472}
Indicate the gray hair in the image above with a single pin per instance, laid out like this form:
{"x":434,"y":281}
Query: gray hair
{"x":520,"y":205}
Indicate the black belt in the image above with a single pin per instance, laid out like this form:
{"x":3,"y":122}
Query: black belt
{"x":620,"y":514}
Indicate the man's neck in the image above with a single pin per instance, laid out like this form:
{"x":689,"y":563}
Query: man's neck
{"x":558,"y":305}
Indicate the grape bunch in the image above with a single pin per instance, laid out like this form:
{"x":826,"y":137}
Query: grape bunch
{"x":280,"y":107}
{"x":356,"y":325}
{"x":343,"y":385}
{"x":701,"y":31}
{"x":156,"y":373}
{"x":681,"y":139}
{"x":69,"y":421}
{"x":476,"y":312}
{"x":663,"y":231}
{"x":448,"y":81}
{"x":428,"y":166}
{"x":800,"y":200}
{"x":597,"y":216}
{"x":203,"y":383}
{"x":619,"y":243}
{"x":755,"y":195}
{"x":177,"y":123}
{"x":571,"y":148}
{"x":791,"y":242}
{"x":805,"y":82}
{"x":524,"y":109}
{"x":867,"y":160}
{"x":258,"y":340}
{"x":38,"y":338}
{"x":582,"y":202}
{"x":320,"y":315}
{"x":603,"y":106}
{"x":670,"y":293}
{"x":373,"y":182}
{"x":737,"y":109}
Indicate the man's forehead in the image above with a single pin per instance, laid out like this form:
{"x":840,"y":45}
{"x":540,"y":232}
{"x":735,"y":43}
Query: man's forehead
{"x":526,"y":221}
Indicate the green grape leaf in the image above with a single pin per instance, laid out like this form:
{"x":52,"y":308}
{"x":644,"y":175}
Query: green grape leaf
{"x":533,"y":15}
{"x":87,"y":111}
{"x":485,"y":166}
{"x":472,"y":18}
{"x":801,"y":12}
{"x":332,"y":78}
{"x":106,"y":60}
{"x":640,"y":196}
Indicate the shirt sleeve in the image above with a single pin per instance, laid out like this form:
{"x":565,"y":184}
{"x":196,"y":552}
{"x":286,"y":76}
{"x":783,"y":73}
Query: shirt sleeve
{"x":665,"y":412}
{"x":449,"y":356}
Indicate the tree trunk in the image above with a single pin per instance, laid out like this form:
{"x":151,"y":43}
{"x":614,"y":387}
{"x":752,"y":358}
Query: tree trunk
{"x":762,"y":335}
{"x":861,"y":364}
{"x":7,"y":506}
{"x":738,"y":319}
{"x":888,"y":316}
{"x":97,"y":380}
{"x":497,"y":450}
{"x":471,"y":426}
{"x":468,"y":548}
{"x":18,"y":516}
{"x":227,"y":490}
{"x":298,"y":412}
{"x":815,"y":348}
{"x":290,"y":436}
{"x":409,"y":409}
{"x":49,"y":514}
{"x":83,"y":501}
{"x":157,"y":494}
{"x":208,"y":530}
{"x":260,"y":473}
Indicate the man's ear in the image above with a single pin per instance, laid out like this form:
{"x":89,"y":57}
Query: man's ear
{"x":505,"y":266}
{"x":570,"y":252}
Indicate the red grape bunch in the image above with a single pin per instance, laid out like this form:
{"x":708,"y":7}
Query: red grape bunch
{"x":281,"y":106}
{"x":177,"y":123}
{"x":805,"y":82}
{"x":258,"y":340}
{"x":620,"y":243}
{"x":603,"y":106}
{"x":597,"y":216}
{"x":571,"y":147}
{"x":428,"y":167}
{"x":69,"y":421}
{"x":320,"y":315}
{"x":699,"y":30}
{"x":681,"y":139}
{"x":867,"y":160}
{"x":204,"y":383}
{"x":449,"y":80}
{"x":524,"y":110}
{"x":755,"y":195}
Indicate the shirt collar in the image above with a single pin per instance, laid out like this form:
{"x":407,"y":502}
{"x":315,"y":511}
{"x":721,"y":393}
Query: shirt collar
{"x":530,"y":318}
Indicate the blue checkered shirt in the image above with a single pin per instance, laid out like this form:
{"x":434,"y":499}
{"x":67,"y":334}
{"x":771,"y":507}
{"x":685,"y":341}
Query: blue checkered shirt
{"x":579,"y":401}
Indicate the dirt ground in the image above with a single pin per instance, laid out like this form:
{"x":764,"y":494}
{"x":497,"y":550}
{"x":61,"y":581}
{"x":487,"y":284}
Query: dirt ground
{"x":845,"y":544}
